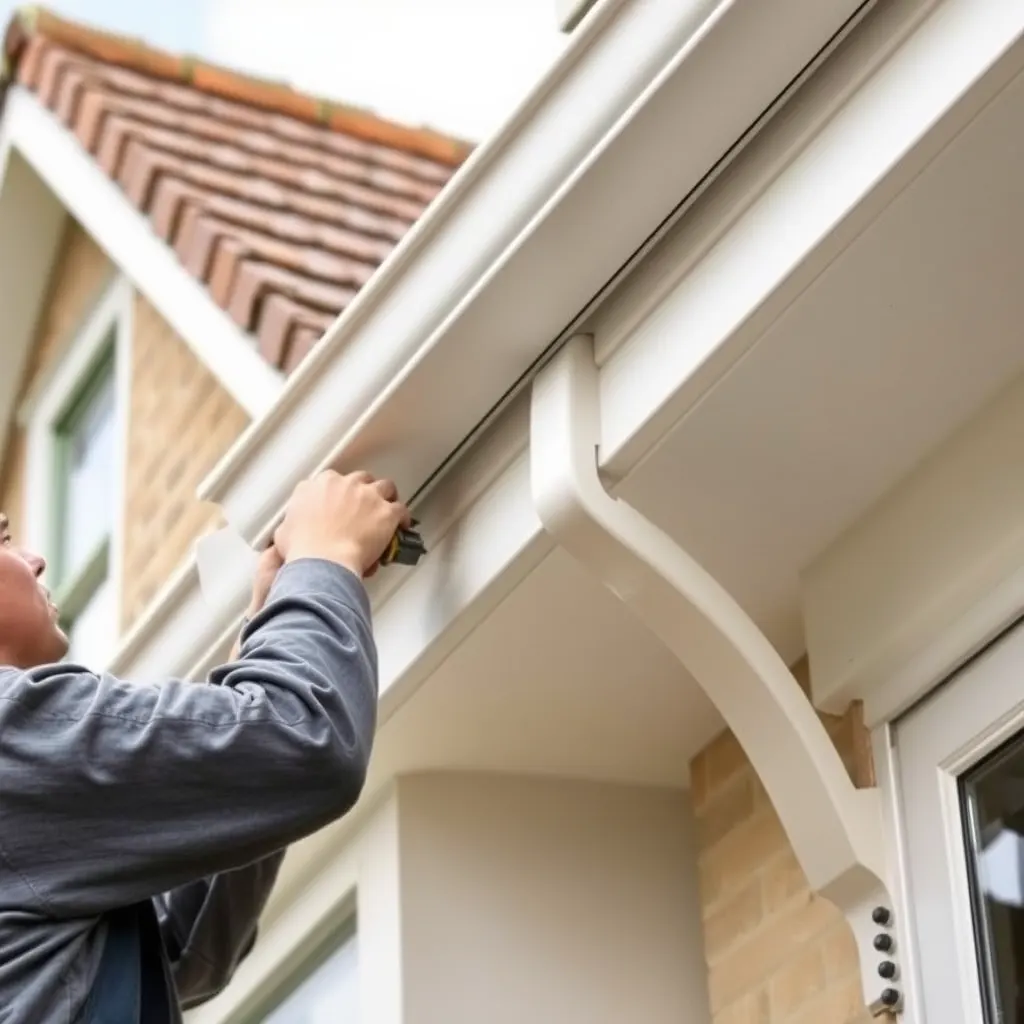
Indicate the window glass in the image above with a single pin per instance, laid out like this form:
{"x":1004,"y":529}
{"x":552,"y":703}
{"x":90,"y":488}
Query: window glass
{"x":83,"y":516}
{"x":993,"y":803}
{"x":86,"y":464}
{"x":329,"y":995}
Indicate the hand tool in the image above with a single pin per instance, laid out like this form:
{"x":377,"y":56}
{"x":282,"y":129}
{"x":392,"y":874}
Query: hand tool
{"x":405,"y":548}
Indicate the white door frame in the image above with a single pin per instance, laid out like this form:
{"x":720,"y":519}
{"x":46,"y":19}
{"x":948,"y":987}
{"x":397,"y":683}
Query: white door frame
{"x":933,"y":745}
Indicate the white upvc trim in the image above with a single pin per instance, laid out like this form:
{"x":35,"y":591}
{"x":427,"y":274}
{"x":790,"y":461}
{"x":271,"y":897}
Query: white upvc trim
{"x":481,"y":528}
{"x":48,"y":401}
{"x":125,"y":235}
{"x":123,"y":372}
{"x":650,"y":383}
{"x":931,"y":747}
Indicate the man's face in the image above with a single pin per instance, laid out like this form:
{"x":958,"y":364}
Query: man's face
{"x":29,"y":631}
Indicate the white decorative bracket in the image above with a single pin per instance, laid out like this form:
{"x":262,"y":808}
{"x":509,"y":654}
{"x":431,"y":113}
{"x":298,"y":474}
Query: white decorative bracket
{"x":835,"y":829}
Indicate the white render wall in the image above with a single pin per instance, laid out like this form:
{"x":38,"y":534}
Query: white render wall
{"x":548,"y":900}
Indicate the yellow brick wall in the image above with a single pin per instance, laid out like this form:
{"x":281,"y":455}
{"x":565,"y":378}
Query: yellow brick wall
{"x":776,"y":953}
{"x":181,"y":422}
{"x":79,"y":276}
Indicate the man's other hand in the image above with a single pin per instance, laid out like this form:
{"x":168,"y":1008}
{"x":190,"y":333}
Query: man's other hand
{"x":345,"y":519}
{"x":266,"y":571}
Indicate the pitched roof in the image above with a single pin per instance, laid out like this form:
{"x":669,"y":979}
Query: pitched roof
{"x":283,"y":205}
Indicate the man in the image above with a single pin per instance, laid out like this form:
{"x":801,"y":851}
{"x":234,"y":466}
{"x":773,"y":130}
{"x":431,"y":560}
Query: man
{"x":142,"y":826}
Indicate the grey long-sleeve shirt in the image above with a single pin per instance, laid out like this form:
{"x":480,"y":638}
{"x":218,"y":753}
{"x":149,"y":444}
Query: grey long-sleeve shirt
{"x":114,"y":792}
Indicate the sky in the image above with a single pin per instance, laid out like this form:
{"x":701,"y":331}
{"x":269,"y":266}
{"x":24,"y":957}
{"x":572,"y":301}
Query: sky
{"x":460,"y":66}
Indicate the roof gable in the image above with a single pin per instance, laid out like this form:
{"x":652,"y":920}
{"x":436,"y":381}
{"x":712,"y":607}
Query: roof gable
{"x":281,"y":205}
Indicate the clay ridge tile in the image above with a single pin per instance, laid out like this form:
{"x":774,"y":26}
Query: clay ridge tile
{"x":275,"y":97}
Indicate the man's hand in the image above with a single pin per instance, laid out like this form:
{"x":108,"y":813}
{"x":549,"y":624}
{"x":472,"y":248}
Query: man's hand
{"x":266,"y":571}
{"x":345,"y":519}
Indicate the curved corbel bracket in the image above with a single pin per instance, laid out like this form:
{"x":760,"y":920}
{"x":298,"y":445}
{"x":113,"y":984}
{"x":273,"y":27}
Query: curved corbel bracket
{"x":835,"y":829}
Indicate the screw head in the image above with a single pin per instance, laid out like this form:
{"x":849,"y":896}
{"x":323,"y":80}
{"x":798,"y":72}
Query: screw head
{"x":881,"y":915}
{"x":887,"y":970}
{"x":883,"y":943}
{"x":890,"y":997}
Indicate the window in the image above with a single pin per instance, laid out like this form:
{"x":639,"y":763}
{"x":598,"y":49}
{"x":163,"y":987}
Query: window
{"x":959,"y":760}
{"x":993,"y":805}
{"x":328,"y":994}
{"x":75,"y":471}
{"x":82,"y":515}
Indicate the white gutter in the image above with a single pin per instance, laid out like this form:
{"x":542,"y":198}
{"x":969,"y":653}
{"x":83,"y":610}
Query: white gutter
{"x":525,"y":234}
{"x":836,"y":830}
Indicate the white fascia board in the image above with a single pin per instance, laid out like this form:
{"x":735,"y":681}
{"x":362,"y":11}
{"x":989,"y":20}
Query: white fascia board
{"x":630,"y":120}
{"x":125,"y":235}
{"x":532,"y":226}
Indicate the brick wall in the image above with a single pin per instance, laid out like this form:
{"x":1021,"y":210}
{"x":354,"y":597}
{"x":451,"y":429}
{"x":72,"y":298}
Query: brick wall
{"x":776,"y":953}
{"x":181,"y":422}
{"x":79,"y":276}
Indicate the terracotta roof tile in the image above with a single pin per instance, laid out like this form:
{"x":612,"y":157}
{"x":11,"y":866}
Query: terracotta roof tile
{"x":280,"y":204}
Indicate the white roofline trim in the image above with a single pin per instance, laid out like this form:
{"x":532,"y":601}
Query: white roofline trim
{"x":127,"y":238}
